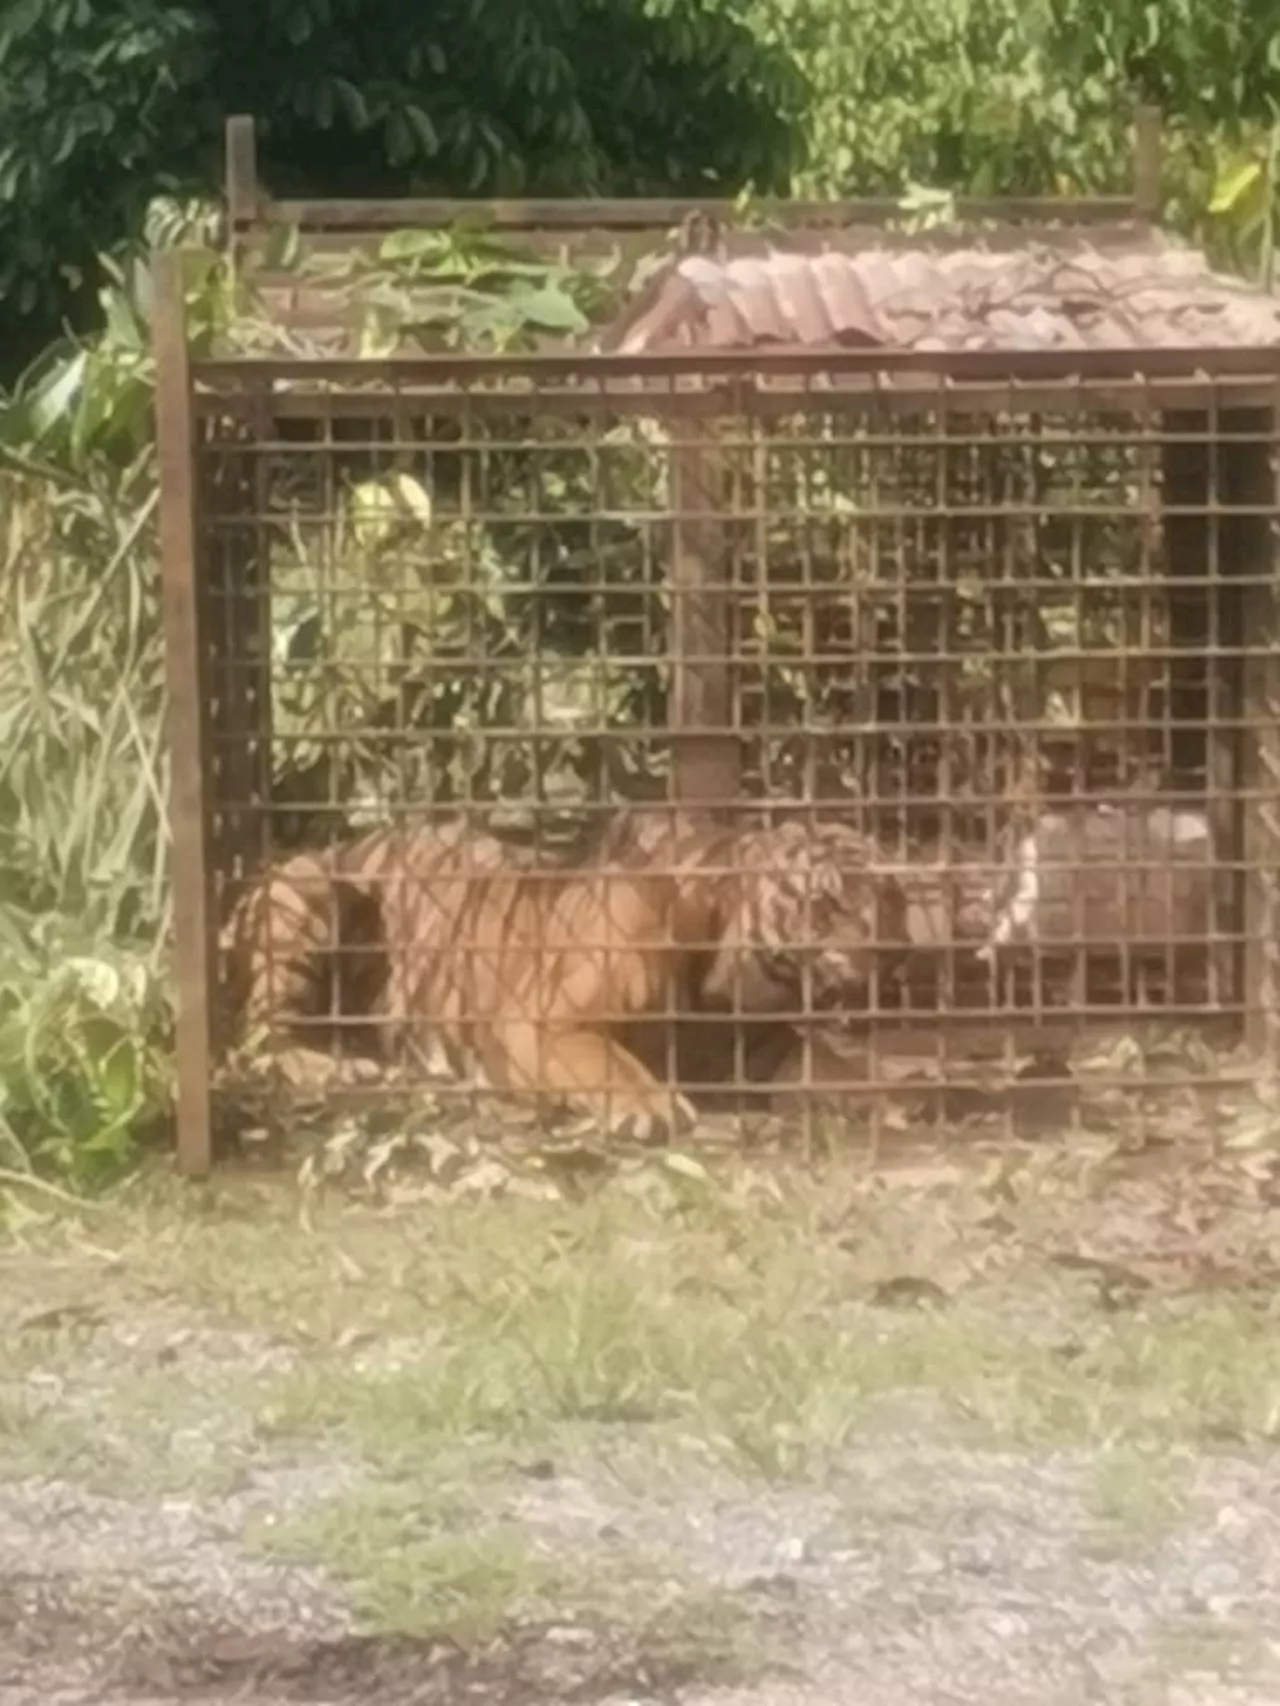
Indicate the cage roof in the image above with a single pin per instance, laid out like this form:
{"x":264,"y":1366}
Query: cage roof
{"x":1011,"y":292}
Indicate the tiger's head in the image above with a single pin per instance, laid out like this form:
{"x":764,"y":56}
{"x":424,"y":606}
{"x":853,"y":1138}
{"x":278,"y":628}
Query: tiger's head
{"x":805,"y":920}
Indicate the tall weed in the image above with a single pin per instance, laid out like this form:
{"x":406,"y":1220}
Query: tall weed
{"x":84,"y":1009}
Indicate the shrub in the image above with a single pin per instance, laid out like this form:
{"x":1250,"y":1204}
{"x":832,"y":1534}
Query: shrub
{"x":84,"y":1009}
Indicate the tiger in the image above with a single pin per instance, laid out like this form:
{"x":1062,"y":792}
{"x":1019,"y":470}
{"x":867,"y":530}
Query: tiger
{"x":551,"y":974}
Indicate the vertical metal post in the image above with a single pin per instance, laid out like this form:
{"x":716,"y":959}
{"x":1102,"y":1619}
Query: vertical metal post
{"x":188,"y":806}
{"x":707,"y":757}
{"x":1250,"y":555}
{"x":1187,"y":478}
{"x":1146,"y":165}
{"x":243,"y":193}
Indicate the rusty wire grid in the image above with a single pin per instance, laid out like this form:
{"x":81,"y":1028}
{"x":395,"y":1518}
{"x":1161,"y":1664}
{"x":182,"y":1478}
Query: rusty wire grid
{"x":644,"y":746}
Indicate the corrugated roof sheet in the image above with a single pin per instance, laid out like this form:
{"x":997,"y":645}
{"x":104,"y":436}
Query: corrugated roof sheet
{"x":1051,"y":292}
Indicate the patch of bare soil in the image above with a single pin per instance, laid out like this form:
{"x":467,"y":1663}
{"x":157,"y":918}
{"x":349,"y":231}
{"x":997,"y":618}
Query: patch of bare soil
{"x":527,"y":1668}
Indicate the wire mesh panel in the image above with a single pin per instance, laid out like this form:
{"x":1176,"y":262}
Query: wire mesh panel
{"x":1022,"y":640}
{"x":680,"y":754}
{"x":464,"y":864}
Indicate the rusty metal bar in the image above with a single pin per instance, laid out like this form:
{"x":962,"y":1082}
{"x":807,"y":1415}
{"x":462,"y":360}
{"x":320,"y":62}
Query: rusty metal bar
{"x":589,"y":367}
{"x":707,"y":761}
{"x":244,"y":196}
{"x":1251,"y":477}
{"x":188,"y":805}
{"x":1147,"y":164}
{"x":248,"y":208}
{"x":906,"y":397}
{"x":232,"y":500}
{"x":1186,"y":487}
{"x":660,"y":213}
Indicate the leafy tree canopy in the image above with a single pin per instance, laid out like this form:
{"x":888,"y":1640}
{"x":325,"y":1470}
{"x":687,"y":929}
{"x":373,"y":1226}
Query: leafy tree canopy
{"x":105,"y":103}
{"x":1007,"y":96}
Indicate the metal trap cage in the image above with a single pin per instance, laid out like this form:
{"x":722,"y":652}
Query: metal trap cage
{"x":806,"y":736}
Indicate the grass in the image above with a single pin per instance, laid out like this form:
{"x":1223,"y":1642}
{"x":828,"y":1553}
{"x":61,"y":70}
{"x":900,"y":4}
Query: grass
{"x":429,"y":1365}
{"x":1140,"y":1494}
{"x":752,"y":1319}
{"x":124,"y":1435}
{"x":1207,"y":1644}
{"x":424,"y":1566}
{"x":414,"y":1568}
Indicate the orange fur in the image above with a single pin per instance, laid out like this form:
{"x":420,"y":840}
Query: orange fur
{"x":550,"y":974}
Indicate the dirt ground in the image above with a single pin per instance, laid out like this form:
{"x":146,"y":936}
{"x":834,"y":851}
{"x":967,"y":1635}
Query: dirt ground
{"x":995,"y":1427}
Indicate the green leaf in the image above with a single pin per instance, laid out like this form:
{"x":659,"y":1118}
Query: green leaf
{"x":1234,"y":184}
{"x":423,"y":129}
{"x":120,"y":1073}
{"x":409,"y":245}
{"x":551,"y":310}
{"x":50,"y":407}
{"x":413,"y":496}
{"x":684,"y":1166}
{"x":353,"y":103}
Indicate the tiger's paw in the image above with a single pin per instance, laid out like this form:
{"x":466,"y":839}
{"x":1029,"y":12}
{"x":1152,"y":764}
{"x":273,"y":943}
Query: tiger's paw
{"x":655,"y":1126}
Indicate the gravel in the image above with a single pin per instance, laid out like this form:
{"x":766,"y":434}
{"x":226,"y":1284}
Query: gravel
{"x":921,"y":1571}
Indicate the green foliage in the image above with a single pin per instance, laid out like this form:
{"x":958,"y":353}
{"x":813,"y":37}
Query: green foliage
{"x":966,"y":94}
{"x":1211,"y":65}
{"x":1243,"y":216}
{"x":455,"y":289}
{"x":1008,"y":96}
{"x":83,"y":895}
{"x":105,"y":103}
{"x":96,"y":116}
{"x":86,"y":399}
